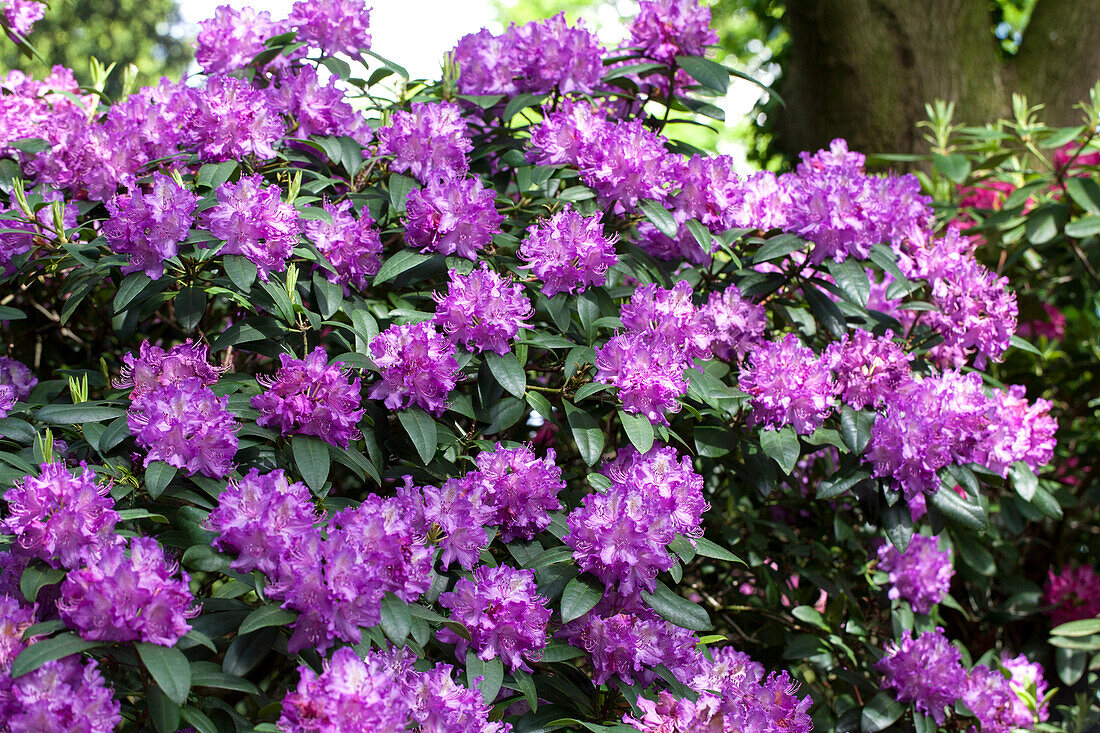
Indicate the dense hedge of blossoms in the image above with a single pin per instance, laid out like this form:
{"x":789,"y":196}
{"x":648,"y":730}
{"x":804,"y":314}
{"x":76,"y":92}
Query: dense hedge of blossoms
{"x":334,"y":400}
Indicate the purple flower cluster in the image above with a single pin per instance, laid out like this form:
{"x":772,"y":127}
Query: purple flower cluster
{"x":869,"y":369}
{"x":254,"y":223}
{"x":926,"y":671}
{"x":452,"y":216}
{"x":149,"y":227}
{"x":1073,"y":594}
{"x":334,"y":26}
{"x":520,"y":488}
{"x":663,"y":333}
{"x":429,"y":141}
{"x":417,"y":366}
{"x":621,"y":536}
{"x":1025,"y":675}
{"x":736,"y":324}
{"x":234,"y":120}
{"x":665,"y":29}
{"x":186,"y":425}
{"x":319,"y":109}
{"x":17,"y":376}
{"x":60,"y":518}
{"x":482,"y":311}
{"x":668,"y":714}
{"x":789,"y":385}
{"x":456,"y":513}
{"x":352,"y":246}
{"x":1018,"y":431}
{"x":62,"y":695}
{"x":568,"y":252}
{"x":383,"y":692}
{"x":21,"y":15}
{"x":155,"y":368}
{"x":7,"y":400}
{"x":994,"y":702}
{"x":535,"y":58}
{"x":921,"y":575}
{"x":503,"y":612}
{"x":232,"y":38}
{"x":128,"y":597}
{"x":310,"y":397}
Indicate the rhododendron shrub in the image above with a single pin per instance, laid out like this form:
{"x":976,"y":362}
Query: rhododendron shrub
{"x":334,"y":400}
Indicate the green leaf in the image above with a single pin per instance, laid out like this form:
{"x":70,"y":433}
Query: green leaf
{"x":35,"y":578}
{"x":1043,"y":223}
{"x":677,"y":609}
{"x":1070,"y":664}
{"x":660,"y":217}
{"x":7,"y":313}
{"x":1024,"y":480}
{"x":47,"y":650}
{"x":825,"y":310}
{"x":508,"y":372}
{"x":190,"y":306}
{"x":586,"y":431}
{"x":855,"y":428}
{"x":132,"y":285}
{"x":526,"y":684}
{"x":241,"y":270}
{"x":778,"y":246}
{"x":396,"y":618}
{"x":312,"y":458}
{"x":400,"y":186}
{"x":1083,"y":627}
{"x":579,"y":597}
{"x":710,"y":74}
{"x":639,"y":429}
{"x":158,"y":475}
{"x":810,"y":615}
{"x":956,"y":166}
{"x":897,"y":522}
{"x":422,"y":431}
{"x":959,"y":511}
{"x":198,"y":720}
{"x":852,"y":278}
{"x":1085,"y":192}
{"x":164,"y":712}
{"x":265,"y":616}
{"x":1019,"y":343}
{"x":78,"y":414}
{"x":1086,"y":226}
{"x":248,"y":650}
{"x":491,"y":674}
{"x":782,"y":446}
{"x":208,"y":674}
{"x":403,"y":260}
{"x":706,"y":548}
{"x":880,"y":713}
{"x":213,"y":175}
{"x":169,"y":669}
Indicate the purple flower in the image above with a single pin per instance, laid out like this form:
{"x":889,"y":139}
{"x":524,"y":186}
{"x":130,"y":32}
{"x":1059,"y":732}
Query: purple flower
{"x":504,"y":613}
{"x":18,"y":376}
{"x":334,"y":26}
{"x":7,"y":400}
{"x":61,"y":518}
{"x":21,"y":15}
{"x":621,"y":536}
{"x":748,"y":697}
{"x":15,"y":618}
{"x":1018,"y":431}
{"x":869,"y":369}
{"x":926,"y":671}
{"x":155,"y":368}
{"x":309,"y":397}
{"x":990,"y":696}
{"x":429,"y":141}
{"x":149,"y":227}
{"x":254,"y":223}
{"x":1025,"y":675}
{"x":454,"y":216}
{"x":186,"y":425}
{"x":62,"y":695}
{"x":736,"y":323}
{"x":352,"y":246}
{"x":444,"y":706}
{"x":13,"y":244}
{"x":482,"y":311}
{"x":669,"y":714}
{"x":927,"y":425}
{"x":789,"y":385}
{"x":457,"y":513}
{"x":417,"y":365}
{"x":128,"y":597}
{"x":921,"y":575}
{"x":568,"y":252}
{"x":1074,"y":594}
{"x":235,"y":120}
{"x":568,"y":136}
{"x":665,"y":29}
{"x":232,"y":38}
{"x":319,"y":109}
{"x":520,"y":488}
{"x":260,"y":517}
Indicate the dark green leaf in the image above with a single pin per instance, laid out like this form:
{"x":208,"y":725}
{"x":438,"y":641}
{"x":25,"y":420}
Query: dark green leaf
{"x":403,"y":260}
{"x":421,"y":429}
{"x":955,"y":508}
{"x":881,"y":712}
{"x":7,"y":313}
{"x":778,"y":246}
{"x":639,"y":429}
{"x":198,"y":720}
{"x":1070,"y":664}
{"x":1086,"y":226}
{"x":78,"y":414}
{"x":396,"y":618}
{"x":241,"y":271}
{"x":1024,"y":480}
{"x":897,"y":521}
{"x":247,"y":651}
{"x":213,"y":175}
{"x":1085,"y":192}
{"x":169,"y":669}
{"x":486,"y":676}
{"x":35,"y":578}
{"x":265,"y":616}
{"x":158,"y":475}
{"x":47,"y":650}
{"x":400,"y":186}
{"x":1083,"y":627}
{"x":660,"y":217}
{"x":312,"y":458}
{"x":852,"y":278}
{"x":677,"y":609}
{"x":710,"y":74}
{"x":164,"y":712}
{"x":706,"y":548}
{"x":132,"y":285}
{"x":855,"y":428}
{"x":782,"y":446}
{"x":508,"y":372}
{"x":825,"y":310}
{"x":190,"y":306}
{"x":579,"y":597}
{"x":586,"y":431}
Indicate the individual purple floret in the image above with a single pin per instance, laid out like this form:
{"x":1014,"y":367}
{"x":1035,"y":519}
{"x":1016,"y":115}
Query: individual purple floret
{"x":568,"y":252}
{"x":789,"y":385}
{"x":187,"y":426}
{"x":60,"y":518}
{"x":927,"y":425}
{"x":921,"y":575}
{"x":18,"y":376}
{"x":254,"y":223}
{"x":65,"y":694}
{"x":665,"y":29}
{"x":235,"y":120}
{"x":352,"y":246}
{"x":310,"y":397}
{"x":233,"y":38}
{"x":21,"y":15}
{"x":429,"y":141}
{"x":128,"y":594}
{"x":621,"y":536}
{"x":457,"y":513}
{"x":520,"y":488}
{"x":989,"y":695}
{"x":334,"y":26}
{"x":319,"y":109}
{"x":736,"y":323}
{"x":504,"y":613}
{"x":260,"y":517}
{"x":417,"y":366}
{"x":1018,"y":431}
{"x":482,"y":311}
{"x":453,"y":216}
{"x":149,"y":227}
{"x":869,"y":369}
{"x":926,"y":671}
{"x":155,"y":368}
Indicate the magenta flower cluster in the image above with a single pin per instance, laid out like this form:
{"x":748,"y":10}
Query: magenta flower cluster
{"x":736,"y":324}
{"x":310,"y":397}
{"x":319,"y":109}
{"x":149,"y":227}
{"x":254,"y":224}
{"x":921,"y":575}
{"x":233,"y":38}
{"x":1072,"y":594}
{"x":926,"y":671}
{"x":452,"y":216}
{"x":520,"y":489}
{"x":353,"y":246}
{"x":21,"y":15}
{"x":869,"y":369}
{"x":568,"y":252}
{"x":665,"y":29}
{"x":334,"y":26}
{"x":429,"y":141}
{"x":16,"y":383}
{"x":155,"y":368}
{"x":789,"y":385}
{"x":482,"y":311}
{"x":417,"y":366}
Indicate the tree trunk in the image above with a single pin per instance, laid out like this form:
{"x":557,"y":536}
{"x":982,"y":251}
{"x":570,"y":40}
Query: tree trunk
{"x":864,"y":69}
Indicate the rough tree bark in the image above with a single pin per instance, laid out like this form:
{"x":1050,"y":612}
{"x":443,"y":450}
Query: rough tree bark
{"x":864,"y":69}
